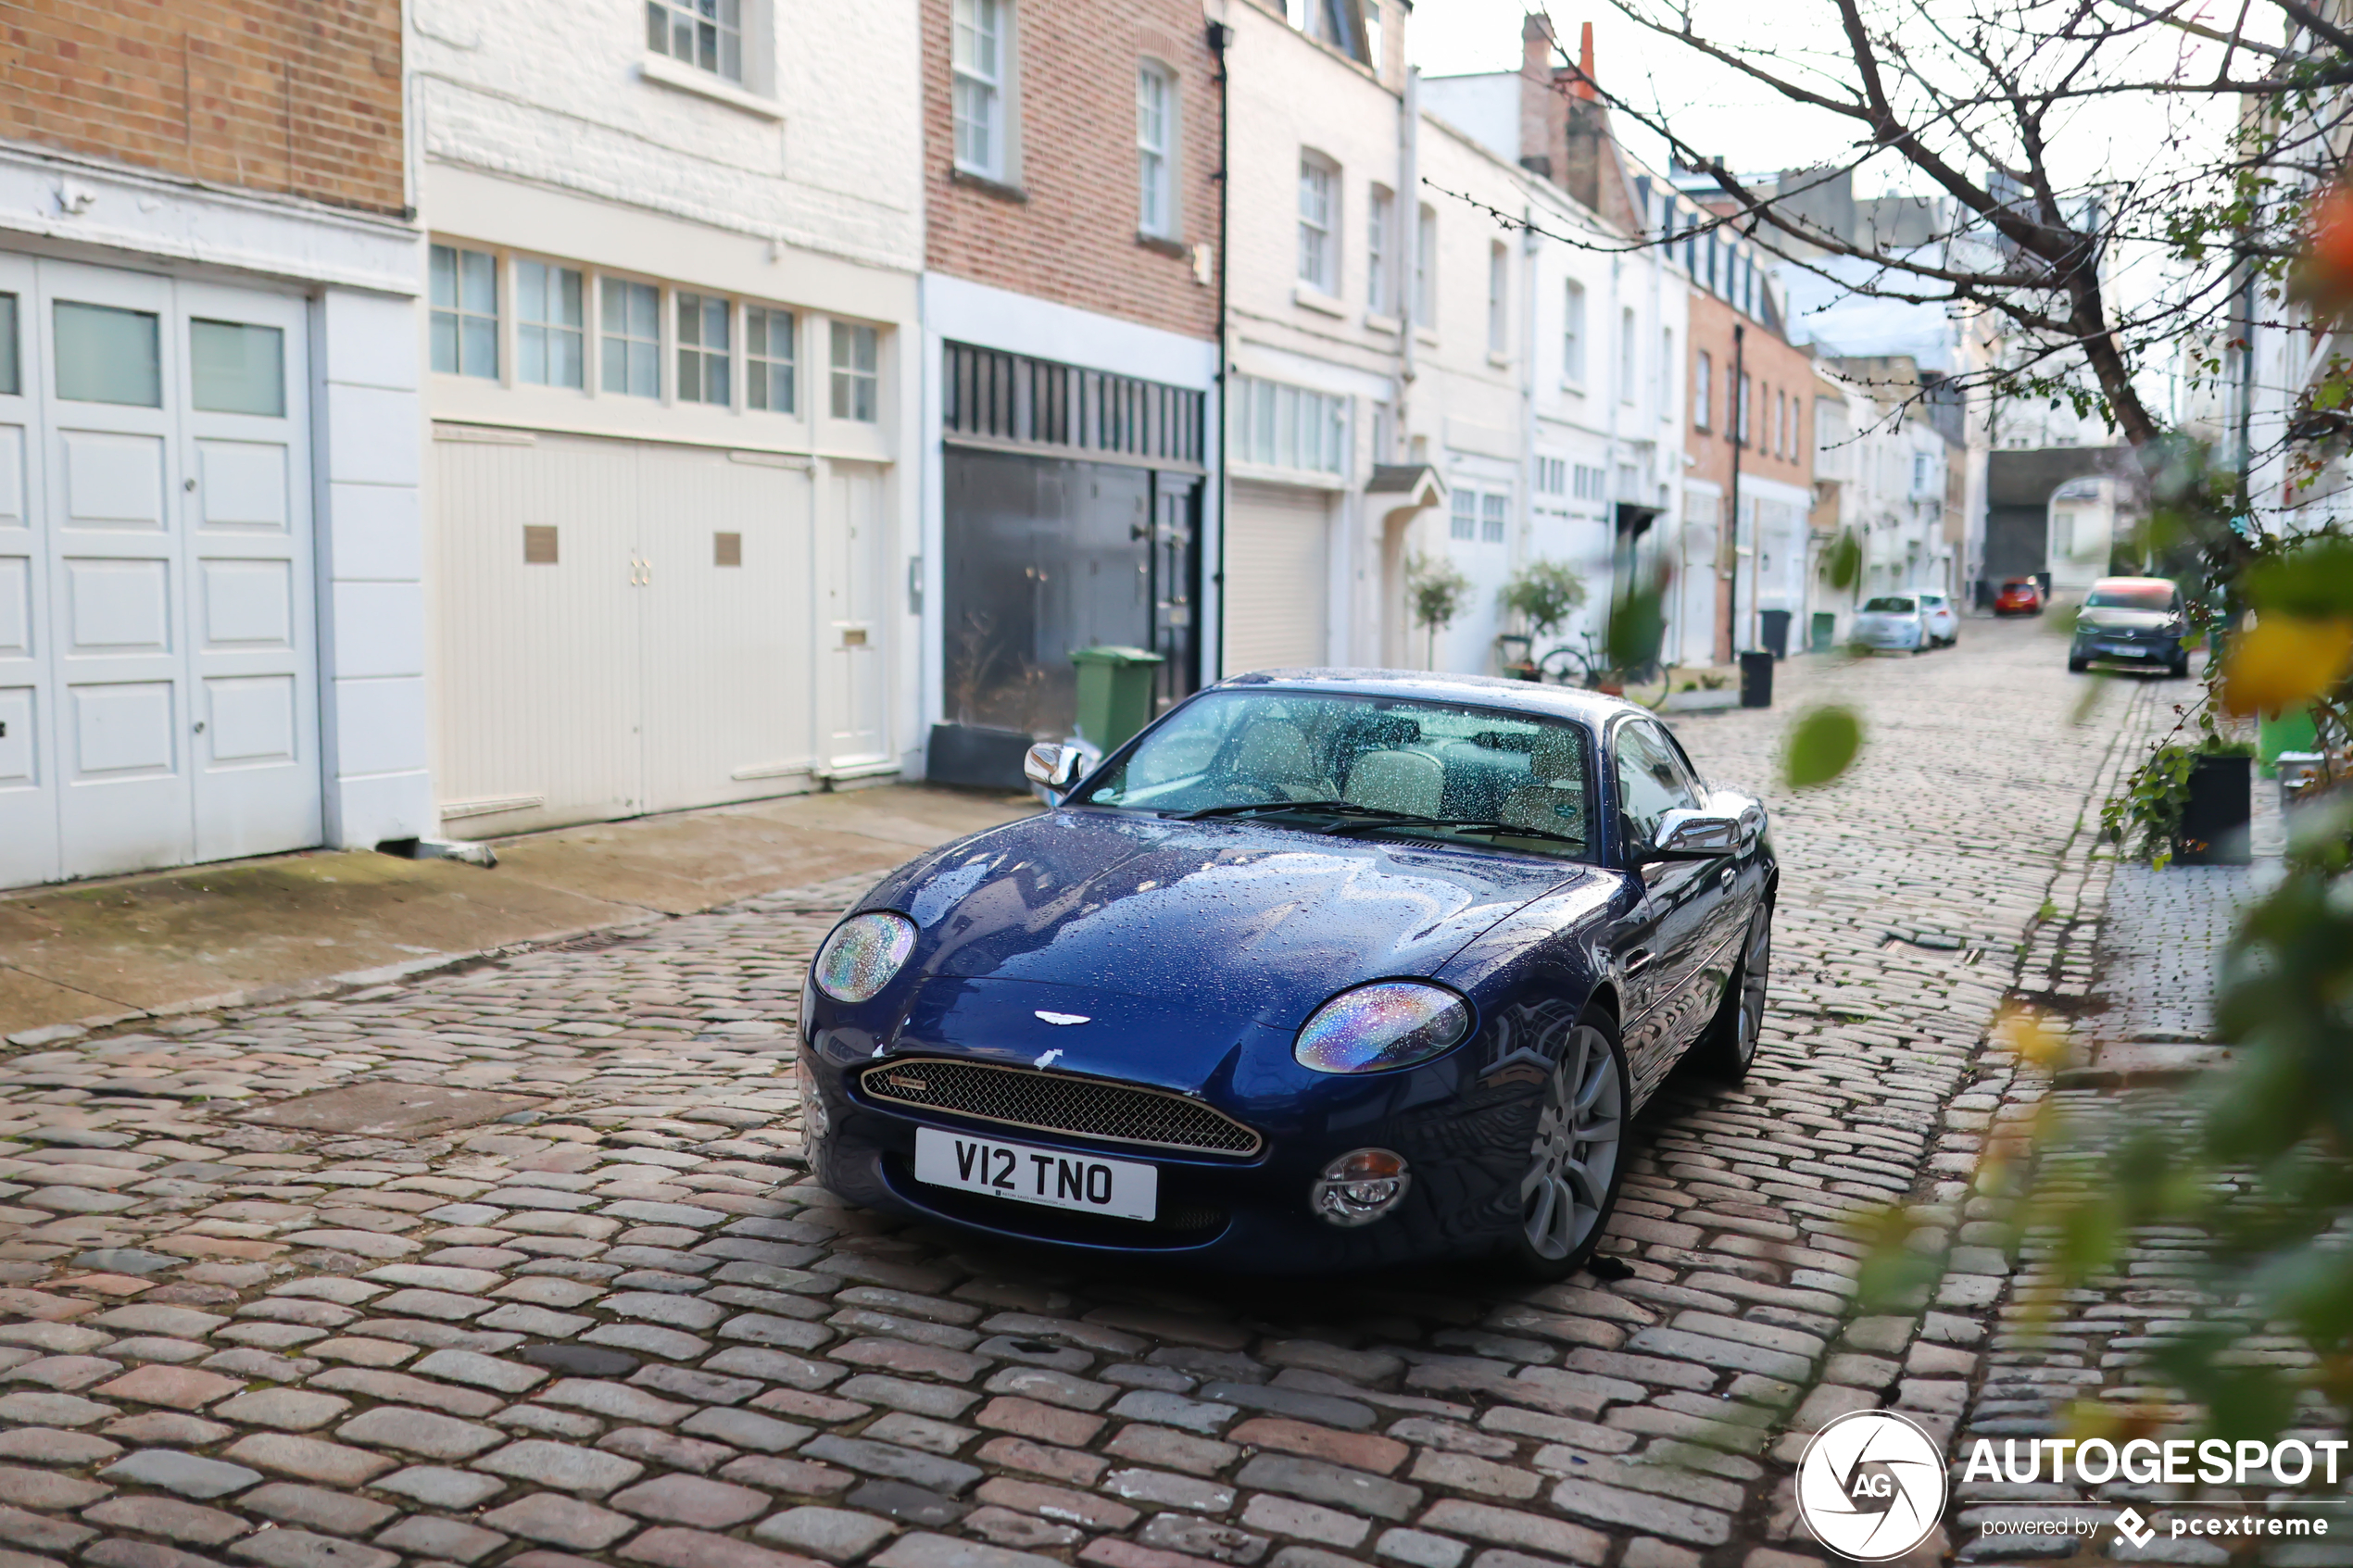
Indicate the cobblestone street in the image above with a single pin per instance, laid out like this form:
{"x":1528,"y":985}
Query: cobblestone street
{"x":610,"y":1320}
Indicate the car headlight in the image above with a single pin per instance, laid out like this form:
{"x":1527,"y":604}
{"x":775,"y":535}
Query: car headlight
{"x":1389,"y":1024}
{"x":861,"y":955}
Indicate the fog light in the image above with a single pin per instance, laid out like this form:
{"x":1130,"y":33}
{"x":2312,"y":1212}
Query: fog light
{"x":1358,"y":1188}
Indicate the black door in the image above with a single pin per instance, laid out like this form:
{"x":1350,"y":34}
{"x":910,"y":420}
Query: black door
{"x":1176,"y":577}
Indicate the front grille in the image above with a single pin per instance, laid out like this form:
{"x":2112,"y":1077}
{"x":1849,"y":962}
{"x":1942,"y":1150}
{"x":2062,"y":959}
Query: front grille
{"x":1053,"y":1102}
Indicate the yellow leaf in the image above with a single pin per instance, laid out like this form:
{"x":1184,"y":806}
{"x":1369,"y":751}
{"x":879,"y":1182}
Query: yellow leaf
{"x":2030,"y":1035}
{"x":2284,"y":661}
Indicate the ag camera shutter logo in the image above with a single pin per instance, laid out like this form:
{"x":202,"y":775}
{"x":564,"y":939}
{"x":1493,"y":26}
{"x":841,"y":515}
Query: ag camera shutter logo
{"x":1872,"y":1486}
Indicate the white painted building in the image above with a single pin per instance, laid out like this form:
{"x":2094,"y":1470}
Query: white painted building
{"x":210,"y":600}
{"x":1897,"y":470}
{"x":671,"y":308}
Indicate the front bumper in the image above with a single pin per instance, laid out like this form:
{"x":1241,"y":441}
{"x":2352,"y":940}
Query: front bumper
{"x":2164,"y":649}
{"x":1465,"y":1147}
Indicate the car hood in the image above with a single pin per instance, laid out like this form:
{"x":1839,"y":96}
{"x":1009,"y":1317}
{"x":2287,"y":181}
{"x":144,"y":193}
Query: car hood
{"x":1242,"y":920}
{"x":2124,"y":620}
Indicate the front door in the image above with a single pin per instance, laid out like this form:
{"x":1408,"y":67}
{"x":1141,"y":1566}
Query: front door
{"x":856,"y":539}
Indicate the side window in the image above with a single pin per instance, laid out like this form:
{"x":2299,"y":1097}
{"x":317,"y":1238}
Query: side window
{"x":1650,"y":782}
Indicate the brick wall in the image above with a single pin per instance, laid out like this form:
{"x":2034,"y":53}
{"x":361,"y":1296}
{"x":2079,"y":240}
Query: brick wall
{"x":291,"y":97}
{"x":1066,"y":230}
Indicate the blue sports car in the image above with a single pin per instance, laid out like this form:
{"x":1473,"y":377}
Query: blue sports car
{"x":1325,"y":969}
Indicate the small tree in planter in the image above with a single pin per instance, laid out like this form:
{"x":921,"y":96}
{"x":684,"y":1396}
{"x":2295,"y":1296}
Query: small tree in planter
{"x":1438,"y":590}
{"x":1544,"y":593}
{"x":2147,"y":819}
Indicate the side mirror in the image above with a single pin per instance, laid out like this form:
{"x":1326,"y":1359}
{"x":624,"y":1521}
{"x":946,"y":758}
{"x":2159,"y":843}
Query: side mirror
{"x":1053,"y":767}
{"x":1685,"y":835}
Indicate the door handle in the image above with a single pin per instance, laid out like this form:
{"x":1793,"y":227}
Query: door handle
{"x":1638,"y":960}
{"x":1724,"y":877}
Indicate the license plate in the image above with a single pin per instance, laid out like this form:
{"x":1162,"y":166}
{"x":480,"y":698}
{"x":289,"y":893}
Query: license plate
{"x":1125,"y":1189}
{"x":2122,"y":650}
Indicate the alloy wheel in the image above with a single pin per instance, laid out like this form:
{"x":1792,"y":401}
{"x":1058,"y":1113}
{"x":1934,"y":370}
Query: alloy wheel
{"x":1573,"y":1164}
{"x":1756,"y":967}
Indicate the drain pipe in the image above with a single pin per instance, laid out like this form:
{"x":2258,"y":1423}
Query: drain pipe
{"x":1738,"y":424}
{"x":1220,"y":38}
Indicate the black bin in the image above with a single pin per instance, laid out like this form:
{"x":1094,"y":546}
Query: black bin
{"x":2214,"y":821}
{"x":977,"y":757}
{"x":1756,"y":677}
{"x":1772,"y":625}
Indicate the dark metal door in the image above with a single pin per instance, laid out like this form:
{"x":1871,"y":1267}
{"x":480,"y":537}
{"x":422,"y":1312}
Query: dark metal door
{"x":1176,"y":586}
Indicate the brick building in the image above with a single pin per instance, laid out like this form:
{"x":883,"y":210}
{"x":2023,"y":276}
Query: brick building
{"x":210,"y":606}
{"x":671,"y":291}
{"x":1072,"y":165}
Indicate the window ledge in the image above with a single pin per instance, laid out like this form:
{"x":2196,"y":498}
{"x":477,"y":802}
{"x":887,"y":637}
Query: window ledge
{"x":1304,"y":478}
{"x":1381,"y":323}
{"x":1314,"y":298}
{"x":1164,"y":245}
{"x":667,"y":72}
{"x":1501,"y":362}
{"x":987,"y":186}
{"x":1424,"y":335}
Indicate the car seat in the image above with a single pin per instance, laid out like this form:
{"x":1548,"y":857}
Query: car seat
{"x":1397,"y":781}
{"x":1274,"y":755}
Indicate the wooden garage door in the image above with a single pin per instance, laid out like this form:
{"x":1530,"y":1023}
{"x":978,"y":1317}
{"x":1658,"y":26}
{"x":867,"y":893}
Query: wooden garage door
{"x":1277,"y":577}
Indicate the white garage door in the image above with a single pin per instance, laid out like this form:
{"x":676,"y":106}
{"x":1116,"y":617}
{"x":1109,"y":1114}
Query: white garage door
{"x":158,"y":690}
{"x":621,"y":627}
{"x":1277,"y":577}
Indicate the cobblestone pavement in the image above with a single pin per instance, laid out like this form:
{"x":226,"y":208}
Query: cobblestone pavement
{"x":620,"y":1326}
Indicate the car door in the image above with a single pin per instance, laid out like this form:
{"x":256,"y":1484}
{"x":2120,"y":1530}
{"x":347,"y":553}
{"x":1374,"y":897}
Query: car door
{"x":1735,"y":887}
{"x":1662,"y":945}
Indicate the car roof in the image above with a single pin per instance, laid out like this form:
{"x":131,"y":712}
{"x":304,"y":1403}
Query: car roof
{"x":1486,"y":691}
{"x":2134,"y":583}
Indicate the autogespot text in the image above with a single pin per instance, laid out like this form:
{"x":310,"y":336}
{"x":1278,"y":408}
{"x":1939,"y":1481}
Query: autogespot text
{"x":2092,"y":1462}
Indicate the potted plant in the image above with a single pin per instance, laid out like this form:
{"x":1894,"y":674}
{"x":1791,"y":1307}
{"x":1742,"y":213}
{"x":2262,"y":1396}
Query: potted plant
{"x":1438,"y":589}
{"x":1544,"y":593}
{"x":2190,"y":803}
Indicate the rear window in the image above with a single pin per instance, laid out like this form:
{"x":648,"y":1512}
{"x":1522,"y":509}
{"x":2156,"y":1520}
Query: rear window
{"x":2133,"y":596}
{"x":1888,"y":605}
{"x":2021,"y":583}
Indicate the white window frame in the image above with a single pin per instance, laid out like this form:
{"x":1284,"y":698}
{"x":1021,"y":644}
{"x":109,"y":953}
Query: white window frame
{"x":1495,"y":516}
{"x":1275,"y":423}
{"x":1426,"y":269}
{"x":1662,"y":375}
{"x":1381,"y":247}
{"x":1573,"y":333}
{"x":458,"y":313}
{"x":1462,"y":516}
{"x":1156,"y":152}
{"x":660,"y":340}
{"x":1319,"y":219}
{"x":846,"y":377}
{"x":1704,"y":391}
{"x":673,"y":15}
{"x":1628,"y":356}
{"x":550,"y":330}
{"x":989,"y":83}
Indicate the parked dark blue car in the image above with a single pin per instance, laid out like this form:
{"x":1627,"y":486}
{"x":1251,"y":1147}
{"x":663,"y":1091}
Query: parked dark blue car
{"x":1325,"y":969}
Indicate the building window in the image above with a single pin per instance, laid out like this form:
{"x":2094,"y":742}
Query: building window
{"x":549,"y":325}
{"x":1462,"y":521}
{"x":856,"y":389}
{"x":708,"y":34}
{"x":1155,"y":149}
{"x":1703,"y":393}
{"x":1552,"y":476}
{"x":1573,"y":335}
{"x":1492,"y":510}
{"x":1318,"y":204}
{"x":1740,"y":419}
{"x":1591,"y":484}
{"x":1499,"y":304}
{"x":1372,"y":34}
{"x":703,"y":370}
{"x":1280,"y":426}
{"x":1425,"y":268}
{"x":1663,"y":387}
{"x":236,"y":369}
{"x":465,"y":312}
{"x":1626,"y":356}
{"x":11,"y":377}
{"x":630,"y":323}
{"x":1380,"y":218}
{"x":978,"y":62}
{"x":768,"y":360}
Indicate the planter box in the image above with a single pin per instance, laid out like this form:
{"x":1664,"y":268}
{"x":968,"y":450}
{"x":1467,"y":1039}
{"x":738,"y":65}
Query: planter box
{"x":1702,"y":702}
{"x":2214,"y":824}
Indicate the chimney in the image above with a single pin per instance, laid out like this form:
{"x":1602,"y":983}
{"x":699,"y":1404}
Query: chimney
{"x":1543,"y":118}
{"x":1587,"y":156}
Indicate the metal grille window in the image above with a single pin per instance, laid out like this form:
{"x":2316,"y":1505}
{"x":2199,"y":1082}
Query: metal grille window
{"x":631,"y":327}
{"x":1051,"y":1102}
{"x":1493,"y":511}
{"x":708,"y":34}
{"x":703,"y":370}
{"x":978,"y":51}
{"x":550,"y":335}
{"x":1012,"y":399}
{"x":465,"y":312}
{"x":769,"y":361}
{"x":1155,"y":142}
{"x":855,"y":373}
{"x":1316,"y":258}
{"x":1280,"y":426}
{"x":1462,"y":521}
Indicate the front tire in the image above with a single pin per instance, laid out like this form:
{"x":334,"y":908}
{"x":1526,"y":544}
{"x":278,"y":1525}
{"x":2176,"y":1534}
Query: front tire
{"x":1727,"y":1049}
{"x":2077,"y":666}
{"x":1575,"y":1160}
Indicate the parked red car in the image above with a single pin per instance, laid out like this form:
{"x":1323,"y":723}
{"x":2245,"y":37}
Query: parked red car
{"x":2019,"y":595}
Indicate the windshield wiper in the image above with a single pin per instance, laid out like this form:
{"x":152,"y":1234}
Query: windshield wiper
{"x":1461,"y":824}
{"x":1337,"y":808}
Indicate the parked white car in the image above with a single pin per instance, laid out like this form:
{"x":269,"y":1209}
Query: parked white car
{"x":1890,"y":621}
{"x":1943,"y":622}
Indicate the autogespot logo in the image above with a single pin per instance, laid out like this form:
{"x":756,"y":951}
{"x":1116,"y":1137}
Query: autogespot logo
{"x":1872,"y":1486}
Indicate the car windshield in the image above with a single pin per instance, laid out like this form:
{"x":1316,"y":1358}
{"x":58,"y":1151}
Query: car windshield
{"x":2016,"y":584}
{"x":2131,"y":595}
{"x":1888,"y":605}
{"x":1359,"y":764}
